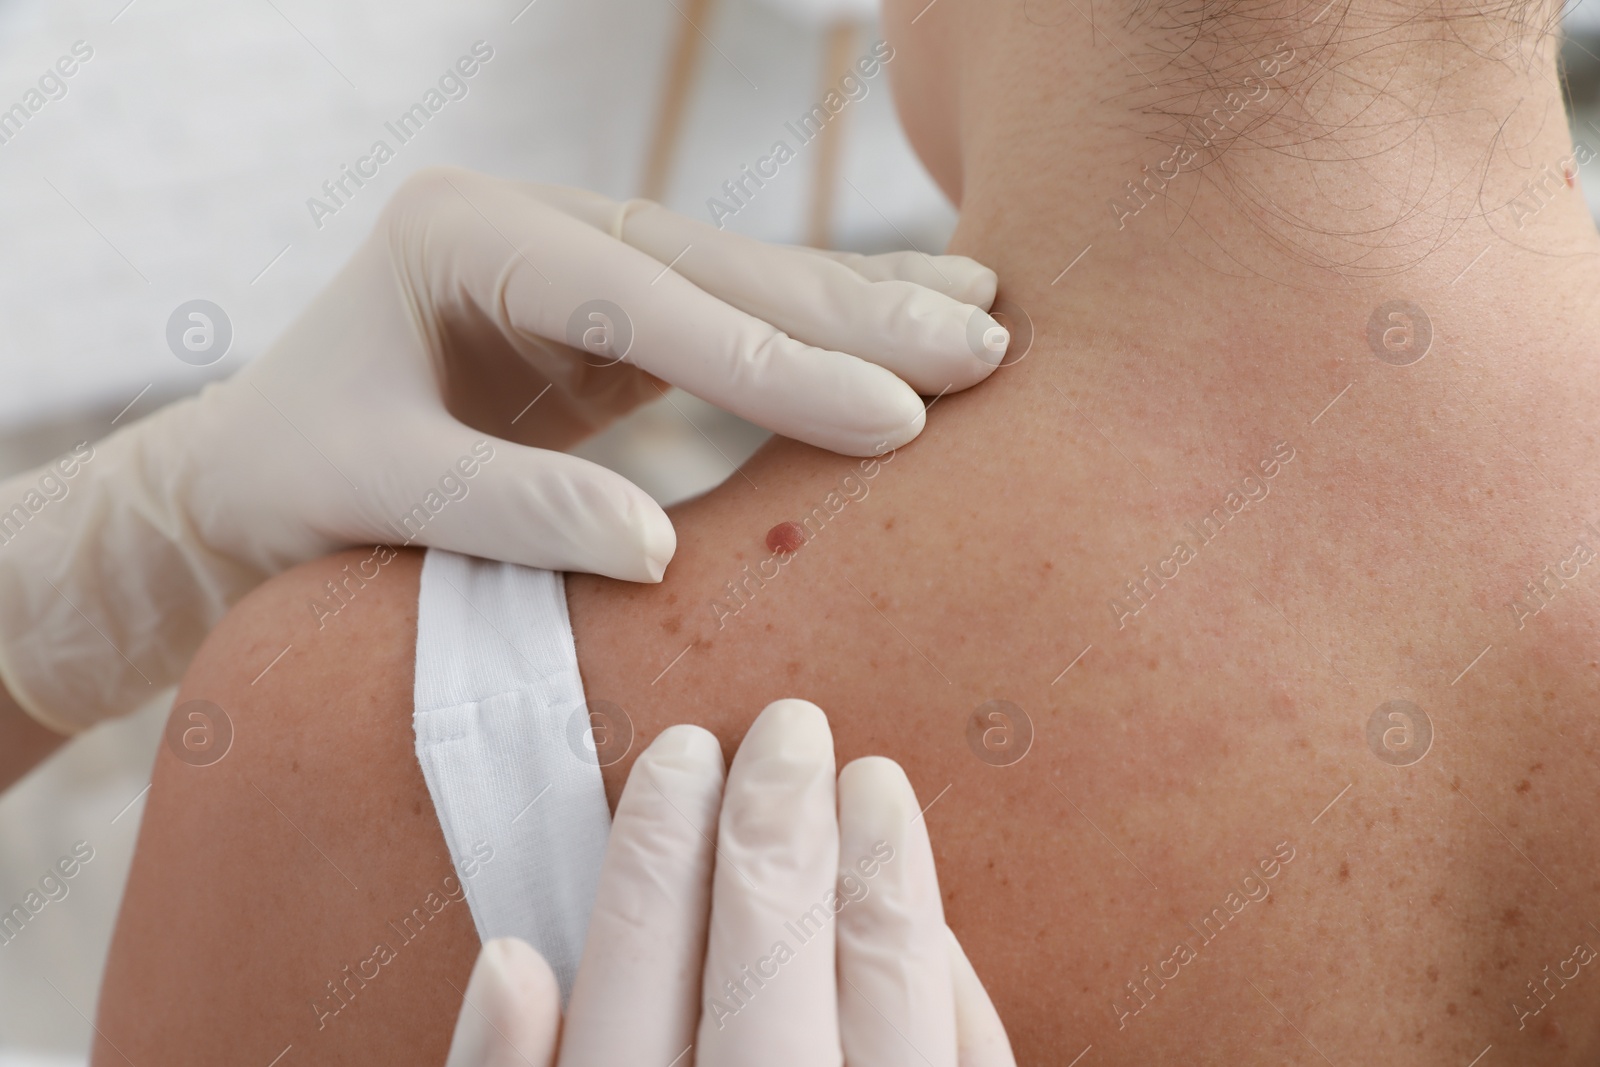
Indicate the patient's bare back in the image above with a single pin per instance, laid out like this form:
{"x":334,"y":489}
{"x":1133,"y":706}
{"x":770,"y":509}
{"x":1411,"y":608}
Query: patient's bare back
{"x":1248,"y":735}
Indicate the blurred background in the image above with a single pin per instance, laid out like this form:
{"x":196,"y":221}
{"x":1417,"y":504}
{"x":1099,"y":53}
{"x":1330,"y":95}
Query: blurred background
{"x":178,"y":165}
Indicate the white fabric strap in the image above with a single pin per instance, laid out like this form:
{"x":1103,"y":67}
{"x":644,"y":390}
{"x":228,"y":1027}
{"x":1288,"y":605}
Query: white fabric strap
{"x":500,"y":728}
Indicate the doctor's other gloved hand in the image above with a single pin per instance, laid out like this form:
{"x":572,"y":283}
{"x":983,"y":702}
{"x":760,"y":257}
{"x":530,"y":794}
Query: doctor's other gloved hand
{"x":484,"y":326}
{"x":780,"y":923}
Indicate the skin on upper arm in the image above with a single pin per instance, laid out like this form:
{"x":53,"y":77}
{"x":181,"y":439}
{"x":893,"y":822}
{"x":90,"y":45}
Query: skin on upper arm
{"x":268,"y":884}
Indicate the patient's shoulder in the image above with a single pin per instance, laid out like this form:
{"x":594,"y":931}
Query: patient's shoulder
{"x":358,"y":602}
{"x":286,"y":827}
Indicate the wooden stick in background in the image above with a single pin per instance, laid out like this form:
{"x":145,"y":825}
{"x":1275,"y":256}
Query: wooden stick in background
{"x":681,"y":69}
{"x":838,"y":52}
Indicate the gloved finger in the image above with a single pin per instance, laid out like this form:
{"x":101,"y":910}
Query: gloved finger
{"x":980,"y":1036}
{"x":896,"y":1004}
{"x":770,"y":985}
{"x":929,"y":339}
{"x":539,"y":272}
{"x":923,"y":317}
{"x":511,"y":1016}
{"x":637,"y":996}
{"x":958,"y":277}
{"x":520,"y":504}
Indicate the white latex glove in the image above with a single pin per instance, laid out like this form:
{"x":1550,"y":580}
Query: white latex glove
{"x":458,"y":307}
{"x":881,"y":982}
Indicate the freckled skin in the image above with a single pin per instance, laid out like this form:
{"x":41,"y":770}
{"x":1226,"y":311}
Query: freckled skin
{"x":1215,"y":725}
{"x":1176,"y":753}
{"x":1228,"y":716}
{"x":225,"y":869}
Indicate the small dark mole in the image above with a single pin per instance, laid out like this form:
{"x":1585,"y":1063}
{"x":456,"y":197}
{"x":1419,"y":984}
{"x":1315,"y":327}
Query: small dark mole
{"x":888,"y":524}
{"x":1048,"y":566}
{"x":1501,"y":965}
{"x":794,"y":669}
{"x":672,"y":625}
{"x":1450,"y":1009}
{"x":1344,"y":872}
{"x":1433,"y":973}
{"x":769,"y":627}
{"x":786,"y":537}
{"x":416,"y":807}
{"x":1511,"y":917}
{"x":1536,"y":768}
{"x":1437,"y":898}
{"x":1477,"y":992}
{"x":1524,"y":785}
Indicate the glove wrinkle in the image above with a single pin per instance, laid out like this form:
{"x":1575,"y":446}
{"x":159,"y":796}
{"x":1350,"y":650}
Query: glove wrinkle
{"x":468,"y":291}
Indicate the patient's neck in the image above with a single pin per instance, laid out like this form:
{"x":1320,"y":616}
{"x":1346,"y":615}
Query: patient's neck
{"x":1339,"y":175}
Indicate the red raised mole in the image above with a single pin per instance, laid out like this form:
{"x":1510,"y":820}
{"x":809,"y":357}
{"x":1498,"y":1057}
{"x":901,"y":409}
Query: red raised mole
{"x":786,"y":537}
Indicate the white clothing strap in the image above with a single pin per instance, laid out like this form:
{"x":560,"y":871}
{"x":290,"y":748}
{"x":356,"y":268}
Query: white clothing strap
{"x":501,"y":725}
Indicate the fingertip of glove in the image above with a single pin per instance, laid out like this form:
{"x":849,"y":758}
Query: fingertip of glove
{"x":656,"y":569}
{"x":986,"y":339}
{"x":875,"y":771}
{"x":794,"y":714}
{"x":512,"y":1007}
{"x":796,"y":728}
{"x":511,"y":981}
{"x":910,"y":415}
{"x":660,"y":540}
{"x":511,"y":964}
{"x":594,"y":521}
{"x":688,"y":747}
{"x":878,"y":785}
{"x":652,"y":543}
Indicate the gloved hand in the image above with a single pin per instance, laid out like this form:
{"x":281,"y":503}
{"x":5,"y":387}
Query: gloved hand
{"x":827,"y":941}
{"x":472,"y":297}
